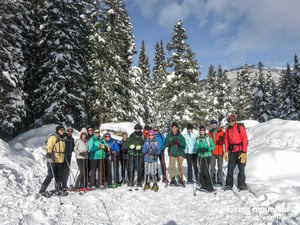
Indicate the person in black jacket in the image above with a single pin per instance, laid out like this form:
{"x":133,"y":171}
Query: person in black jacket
{"x":124,"y":157}
{"x":69,"y":147}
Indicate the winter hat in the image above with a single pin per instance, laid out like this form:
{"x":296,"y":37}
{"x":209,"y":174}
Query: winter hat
{"x":83,"y":130}
{"x":138,"y":126}
{"x":174,"y":124}
{"x":69,"y":128}
{"x":97,"y":130}
{"x":151,"y":132}
{"x":146,"y":127}
{"x":214,"y":121}
{"x":232,"y":117}
{"x":189,"y":126}
{"x":107,"y":134}
{"x":202,"y":127}
{"x":59,"y":127}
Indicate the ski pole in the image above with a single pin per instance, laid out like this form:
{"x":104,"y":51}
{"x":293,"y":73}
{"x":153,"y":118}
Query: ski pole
{"x":68,"y":164}
{"x":163,"y":162}
{"x":100,"y":172}
{"x":55,"y":183}
{"x":169,"y":167}
{"x":115,"y":167}
{"x":180,"y":166}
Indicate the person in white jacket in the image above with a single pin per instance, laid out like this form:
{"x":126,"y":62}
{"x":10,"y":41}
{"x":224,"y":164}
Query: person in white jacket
{"x":82,"y":154}
{"x":191,"y":154}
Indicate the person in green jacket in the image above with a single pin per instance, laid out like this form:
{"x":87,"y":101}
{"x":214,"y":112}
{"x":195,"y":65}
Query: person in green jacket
{"x":176,"y":145}
{"x":204,"y":146}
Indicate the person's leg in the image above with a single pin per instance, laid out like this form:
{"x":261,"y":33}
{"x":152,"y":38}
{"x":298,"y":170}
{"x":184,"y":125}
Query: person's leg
{"x":189,"y":169}
{"x":231,"y":165}
{"x":47,"y":180}
{"x":241,"y":175}
{"x":93,"y":165}
{"x":194,"y":162}
{"x":213,"y":167}
{"x":79,"y":181}
{"x":220,"y":170}
{"x":208,"y":180}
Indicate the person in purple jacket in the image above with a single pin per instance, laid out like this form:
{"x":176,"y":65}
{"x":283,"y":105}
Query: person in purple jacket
{"x":151,"y":150}
{"x":112,"y":158}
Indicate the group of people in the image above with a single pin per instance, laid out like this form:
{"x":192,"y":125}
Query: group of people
{"x":99,"y":158}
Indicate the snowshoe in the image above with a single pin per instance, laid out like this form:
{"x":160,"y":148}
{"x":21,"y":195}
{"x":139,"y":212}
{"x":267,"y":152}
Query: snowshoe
{"x":110,"y":186}
{"x":146,"y":186}
{"x":227,"y":188}
{"x":47,"y":194}
{"x":189,"y":182}
{"x":173,"y":182}
{"x":93,"y":188}
{"x":118,"y":185}
{"x":155,"y":188}
{"x":139,"y":185}
{"x":242,"y":188}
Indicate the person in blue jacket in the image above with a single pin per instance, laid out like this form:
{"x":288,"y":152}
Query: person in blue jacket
{"x":161,"y":139}
{"x":151,"y":150}
{"x":112,"y":158}
{"x":97,"y":148}
{"x":191,"y":153}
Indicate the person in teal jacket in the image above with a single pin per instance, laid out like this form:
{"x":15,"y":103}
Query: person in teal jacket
{"x":204,"y":146}
{"x":176,"y":145}
{"x":97,"y":148}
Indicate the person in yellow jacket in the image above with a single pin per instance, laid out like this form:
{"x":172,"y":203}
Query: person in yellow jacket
{"x":55,"y":151}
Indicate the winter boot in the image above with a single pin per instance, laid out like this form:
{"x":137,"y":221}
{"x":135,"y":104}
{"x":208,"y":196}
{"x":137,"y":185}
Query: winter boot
{"x":164,"y":179}
{"x":227,"y":188}
{"x":146,"y":186}
{"x":155,"y":188}
{"x":180,"y":181}
{"x":173,"y":181}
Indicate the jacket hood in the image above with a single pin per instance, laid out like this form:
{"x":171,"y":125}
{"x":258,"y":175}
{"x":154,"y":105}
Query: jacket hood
{"x":83,"y":130}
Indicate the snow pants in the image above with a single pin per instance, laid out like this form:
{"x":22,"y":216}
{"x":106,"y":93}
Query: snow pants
{"x":232,"y":162}
{"x":192,"y":163}
{"x":217,"y":177}
{"x":82,"y":179}
{"x":136,"y":164}
{"x":204,"y":176}
{"x":57,"y":170}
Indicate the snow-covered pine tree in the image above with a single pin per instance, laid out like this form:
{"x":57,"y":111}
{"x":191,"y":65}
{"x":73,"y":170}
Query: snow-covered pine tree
{"x":61,"y":73}
{"x":243,"y":104}
{"x":296,"y":88}
{"x":159,"y":80}
{"x":183,"y":78}
{"x":112,"y":82}
{"x":257,"y":88}
{"x":13,"y":18}
{"x":224,"y":101}
{"x":211,"y":93}
{"x":267,"y":99}
{"x":288,"y":110}
{"x":147,"y":101}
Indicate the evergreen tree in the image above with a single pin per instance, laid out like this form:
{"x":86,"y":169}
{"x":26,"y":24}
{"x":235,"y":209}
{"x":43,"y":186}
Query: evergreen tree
{"x":61,"y":73}
{"x":211,"y":95}
{"x":258,"y":90}
{"x":223,"y":99}
{"x":13,"y":18}
{"x":145,"y":85}
{"x":114,"y":48}
{"x":243,"y":105}
{"x":182,"y":86}
{"x":159,"y":80}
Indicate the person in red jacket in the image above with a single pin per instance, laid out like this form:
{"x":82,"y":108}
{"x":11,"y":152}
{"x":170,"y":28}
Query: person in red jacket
{"x":236,"y":143}
{"x":217,"y":135}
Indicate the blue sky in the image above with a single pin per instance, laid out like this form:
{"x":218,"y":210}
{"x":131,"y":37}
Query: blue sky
{"x":226,"y":32}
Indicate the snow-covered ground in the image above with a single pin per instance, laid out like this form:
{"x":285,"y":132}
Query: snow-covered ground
{"x":273,"y":176}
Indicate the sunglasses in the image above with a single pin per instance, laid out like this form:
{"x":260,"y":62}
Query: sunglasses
{"x":151,"y":135}
{"x":231,"y":121}
{"x":90,"y":129}
{"x":97,"y":132}
{"x":202,"y":130}
{"x":155,"y":130}
{"x":69,"y":131}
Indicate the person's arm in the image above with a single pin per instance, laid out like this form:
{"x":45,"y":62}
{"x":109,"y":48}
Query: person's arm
{"x":212,"y":145}
{"x":244,"y":139}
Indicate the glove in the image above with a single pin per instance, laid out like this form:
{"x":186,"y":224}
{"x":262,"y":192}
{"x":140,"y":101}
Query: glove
{"x":83,"y":153}
{"x":203,"y":150}
{"x":49,"y":158}
{"x":138,"y":147}
{"x":174,"y":142}
{"x":242,"y":157}
{"x":101,"y":146}
{"x":132,"y":147}
{"x":226,"y":156}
